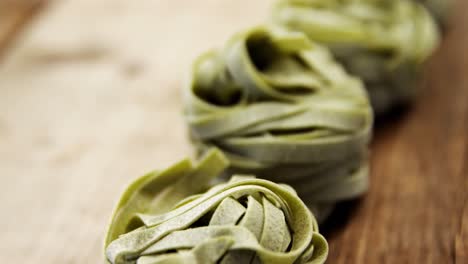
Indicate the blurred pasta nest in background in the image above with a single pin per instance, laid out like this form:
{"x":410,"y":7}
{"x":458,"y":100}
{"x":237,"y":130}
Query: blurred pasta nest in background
{"x":382,"y":42}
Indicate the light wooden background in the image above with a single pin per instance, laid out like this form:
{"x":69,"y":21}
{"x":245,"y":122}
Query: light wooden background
{"x":90,"y":99}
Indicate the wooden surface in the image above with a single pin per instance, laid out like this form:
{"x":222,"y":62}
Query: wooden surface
{"x":89,"y":99}
{"x":13,"y":17}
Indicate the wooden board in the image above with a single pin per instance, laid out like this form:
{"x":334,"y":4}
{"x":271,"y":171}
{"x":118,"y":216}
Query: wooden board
{"x":13,"y":17}
{"x":90,"y":99}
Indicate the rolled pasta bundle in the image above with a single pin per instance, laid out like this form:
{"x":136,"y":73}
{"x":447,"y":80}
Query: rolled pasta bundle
{"x":281,"y":108}
{"x":384,"y":42}
{"x":245,"y":220}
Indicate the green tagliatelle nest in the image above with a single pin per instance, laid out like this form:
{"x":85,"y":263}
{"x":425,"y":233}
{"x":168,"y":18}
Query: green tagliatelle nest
{"x":245,"y":220}
{"x":281,"y":108}
{"x":384,"y":42}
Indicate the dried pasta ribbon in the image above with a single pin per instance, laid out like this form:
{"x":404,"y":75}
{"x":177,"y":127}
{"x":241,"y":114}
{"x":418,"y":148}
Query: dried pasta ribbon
{"x":281,"y":108}
{"x":159,"y":191}
{"x":245,"y":220}
{"x":384,"y":42}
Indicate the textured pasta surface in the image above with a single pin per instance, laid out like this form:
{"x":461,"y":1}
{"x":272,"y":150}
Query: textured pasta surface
{"x":245,"y":220}
{"x":281,"y":108}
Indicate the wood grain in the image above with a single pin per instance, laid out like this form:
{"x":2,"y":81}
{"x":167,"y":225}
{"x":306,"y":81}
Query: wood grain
{"x":13,"y":16}
{"x":89,"y":99}
{"x":415,"y":211}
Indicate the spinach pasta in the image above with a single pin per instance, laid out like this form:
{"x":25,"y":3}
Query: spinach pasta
{"x":245,"y":220}
{"x":382,"y":42}
{"x":280,"y":107}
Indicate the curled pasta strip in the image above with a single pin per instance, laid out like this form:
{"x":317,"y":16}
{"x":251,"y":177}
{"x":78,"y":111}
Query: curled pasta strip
{"x":281,"y":108}
{"x":245,"y":220}
{"x":384,"y":42}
